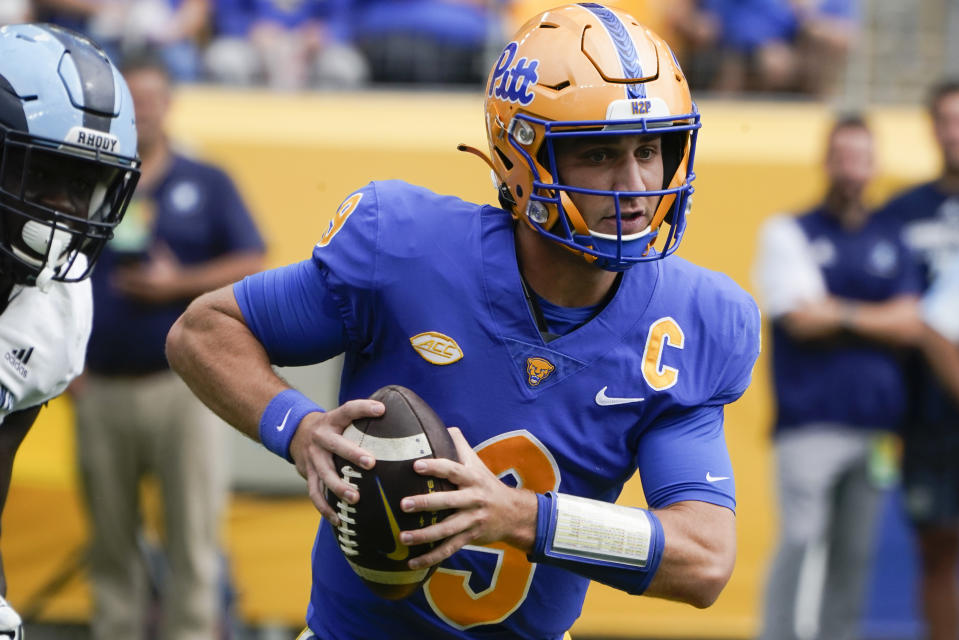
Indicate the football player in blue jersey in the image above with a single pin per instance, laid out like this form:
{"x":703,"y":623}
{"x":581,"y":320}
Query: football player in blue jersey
{"x":927,"y":216}
{"x":68,"y":167}
{"x":554,"y":331}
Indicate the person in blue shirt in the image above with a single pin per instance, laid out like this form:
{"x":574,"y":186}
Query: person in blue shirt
{"x":187,"y":232}
{"x":841,"y":292}
{"x":576,"y":350}
{"x":927,"y":217}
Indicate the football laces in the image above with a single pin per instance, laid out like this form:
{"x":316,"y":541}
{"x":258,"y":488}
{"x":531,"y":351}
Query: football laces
{"x":346,"y":535}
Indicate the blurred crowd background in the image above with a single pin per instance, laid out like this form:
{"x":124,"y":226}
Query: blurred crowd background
{"x":857,"y":51}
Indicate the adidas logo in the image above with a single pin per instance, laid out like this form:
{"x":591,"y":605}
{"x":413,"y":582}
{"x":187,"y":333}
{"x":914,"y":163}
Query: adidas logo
{"x":18,"y":359}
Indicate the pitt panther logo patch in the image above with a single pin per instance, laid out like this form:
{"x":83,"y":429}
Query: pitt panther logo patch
{"x":511,"y":82}
{"x":436,"y":348}
{"x":537,"y":370}
{"x":339,"y":218}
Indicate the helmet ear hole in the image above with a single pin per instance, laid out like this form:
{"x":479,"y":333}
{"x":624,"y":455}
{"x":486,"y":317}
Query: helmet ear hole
{"x":502,"y":157}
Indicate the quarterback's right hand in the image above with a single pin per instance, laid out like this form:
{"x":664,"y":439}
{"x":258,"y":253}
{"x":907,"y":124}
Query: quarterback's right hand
{"x":317,"y":438}
{"x":11,"y":627}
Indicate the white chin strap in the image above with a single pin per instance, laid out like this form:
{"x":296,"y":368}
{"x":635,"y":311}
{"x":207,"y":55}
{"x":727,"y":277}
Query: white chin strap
{"x":626,"y":238}
{"x":36,"y":235}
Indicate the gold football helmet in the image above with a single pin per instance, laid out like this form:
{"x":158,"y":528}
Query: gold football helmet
{"x":588,"y":70}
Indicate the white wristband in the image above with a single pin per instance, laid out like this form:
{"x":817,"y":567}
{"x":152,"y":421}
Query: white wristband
{"x":591,"y":529}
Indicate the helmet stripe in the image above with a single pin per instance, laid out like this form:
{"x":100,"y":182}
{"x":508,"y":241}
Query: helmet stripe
{"x":96,"y":78}
{"x":625,"y":48}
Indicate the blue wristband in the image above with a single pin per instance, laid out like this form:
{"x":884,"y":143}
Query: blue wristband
{"x":281,"y":418}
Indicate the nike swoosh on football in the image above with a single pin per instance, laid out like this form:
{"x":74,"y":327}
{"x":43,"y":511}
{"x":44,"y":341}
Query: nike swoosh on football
{"x":400,"y":551}
{"x":282,"y":425}
{"x":711,"y":478}
{"x":604,"y":400}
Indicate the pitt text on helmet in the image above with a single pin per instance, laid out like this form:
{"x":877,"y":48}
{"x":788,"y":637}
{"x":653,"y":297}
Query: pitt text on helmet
{"x":511,"y":81}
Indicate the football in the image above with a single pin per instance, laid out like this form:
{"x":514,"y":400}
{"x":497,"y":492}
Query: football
{"x":369,"y":530}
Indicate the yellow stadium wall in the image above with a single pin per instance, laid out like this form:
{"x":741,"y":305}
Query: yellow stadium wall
{"x":296,"y":157}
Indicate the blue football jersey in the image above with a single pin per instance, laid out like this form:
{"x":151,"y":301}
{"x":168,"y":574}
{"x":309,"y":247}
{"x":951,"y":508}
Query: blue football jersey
{"x":430,"y":297}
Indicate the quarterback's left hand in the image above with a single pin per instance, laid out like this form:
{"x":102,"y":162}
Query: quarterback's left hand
{"x":486,"y":509}
{"x":11,"y":627}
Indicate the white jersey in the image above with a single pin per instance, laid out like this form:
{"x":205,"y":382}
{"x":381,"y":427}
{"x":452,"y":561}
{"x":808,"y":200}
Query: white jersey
{"x":940,"y":304}
{"x":785,"y":273}
{"x":43,"y":341}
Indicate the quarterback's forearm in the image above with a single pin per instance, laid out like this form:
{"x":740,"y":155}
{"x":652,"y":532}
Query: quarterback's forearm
{"x":699,"y":555}
{"x":684,"y":552}
{"x":212,"y":349}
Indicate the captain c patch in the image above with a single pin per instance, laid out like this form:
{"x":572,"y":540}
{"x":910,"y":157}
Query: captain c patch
{"x":436,"y":348}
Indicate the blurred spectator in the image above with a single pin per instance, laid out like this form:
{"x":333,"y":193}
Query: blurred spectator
{"x":15,"y":11}
{"x":826,"y":31}
{"x":696,"y":36}
{"x":428,"y":41}
{"x":927,"y":216}
{"x":174,"y":27}
{"x":187,"y":232}
{"x":940,"y":311}
{"x":765,"y":45}
{"x":288,"y":44}
{"x":841,"y":291}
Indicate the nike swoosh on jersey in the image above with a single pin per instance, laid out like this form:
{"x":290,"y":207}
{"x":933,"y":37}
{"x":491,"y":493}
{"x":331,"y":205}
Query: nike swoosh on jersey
{"x":401,"y":551}
{"x":604,"y":400}
{"x":711,"y":478}
{"x":282,"y":425}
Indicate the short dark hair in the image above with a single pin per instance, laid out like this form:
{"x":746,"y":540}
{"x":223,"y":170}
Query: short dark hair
{"x":943,"y":88}
{"x":842,"y":122}
{"x":852,"y":120}
{"x":145,"y":58}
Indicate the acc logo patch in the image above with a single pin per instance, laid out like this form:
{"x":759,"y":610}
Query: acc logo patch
{"x":537,"y":370}
{"x":339,"y":218}
{"x":436,"y":348}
